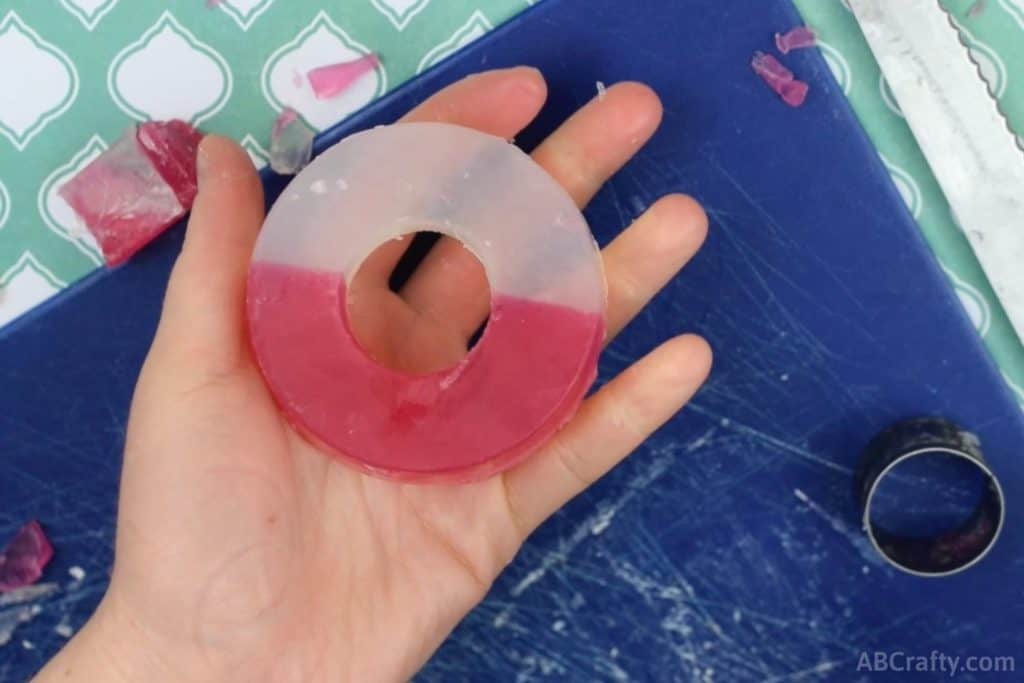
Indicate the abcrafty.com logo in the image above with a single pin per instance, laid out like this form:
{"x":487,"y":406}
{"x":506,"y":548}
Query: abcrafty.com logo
{"x":934,"y":662}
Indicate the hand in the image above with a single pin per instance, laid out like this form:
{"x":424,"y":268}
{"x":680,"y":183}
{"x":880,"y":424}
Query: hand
{"x":246,"y":554}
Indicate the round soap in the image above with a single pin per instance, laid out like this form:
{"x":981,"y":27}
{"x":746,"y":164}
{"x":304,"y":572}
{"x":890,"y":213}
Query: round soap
{"x":537,"y":356}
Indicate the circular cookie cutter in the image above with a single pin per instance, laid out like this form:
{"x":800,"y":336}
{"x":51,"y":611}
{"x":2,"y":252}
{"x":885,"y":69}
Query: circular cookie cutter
{"x":949,"y":552}
{"x":538,"y":355}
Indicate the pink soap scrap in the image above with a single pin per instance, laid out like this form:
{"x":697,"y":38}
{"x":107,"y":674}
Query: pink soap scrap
{"x":333,"y":79}
{"x":794,"y":93}
{"x":795,"y":39}
{"x":779,"y":78}
{"x":770,"y":69}
{"x":143,"y":184}
{"x":23,"y":560}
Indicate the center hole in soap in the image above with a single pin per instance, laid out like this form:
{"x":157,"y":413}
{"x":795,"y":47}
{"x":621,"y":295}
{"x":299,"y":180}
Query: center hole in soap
{"x":419,"y":304}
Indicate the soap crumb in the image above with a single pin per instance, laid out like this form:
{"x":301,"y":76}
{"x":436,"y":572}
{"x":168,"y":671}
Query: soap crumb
{"x":779,"y":79}
{"x":341,"y":184}
{"x":63,"y":629}
{"x":318,"y":187}
{"x":77,"y":573}
{"x":28,"y":644}
{"x":601,"y":90}
{"x":795,"y":39}
{"x":333,"y":79}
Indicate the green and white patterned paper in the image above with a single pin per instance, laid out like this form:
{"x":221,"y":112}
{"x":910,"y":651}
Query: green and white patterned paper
{"x":996,"y":37}
{"x":75,"y":73}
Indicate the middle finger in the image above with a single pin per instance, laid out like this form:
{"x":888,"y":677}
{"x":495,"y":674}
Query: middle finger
{"x":586,"y":150}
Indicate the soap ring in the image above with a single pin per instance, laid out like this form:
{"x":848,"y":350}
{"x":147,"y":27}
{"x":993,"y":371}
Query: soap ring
{"x":537,"y":357}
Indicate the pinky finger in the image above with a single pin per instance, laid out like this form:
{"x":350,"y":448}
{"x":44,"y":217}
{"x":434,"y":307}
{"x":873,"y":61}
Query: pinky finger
{"x":607,"y":428}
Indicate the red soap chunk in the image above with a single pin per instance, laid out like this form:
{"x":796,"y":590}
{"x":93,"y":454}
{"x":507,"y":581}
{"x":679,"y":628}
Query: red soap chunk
{"x":23,"y":560}
{"x":138,"y":188}
{"x":172,"y":148}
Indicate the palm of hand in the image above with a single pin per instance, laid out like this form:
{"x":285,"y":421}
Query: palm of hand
{"x":243,"y":552}
{"x":286,"y":563}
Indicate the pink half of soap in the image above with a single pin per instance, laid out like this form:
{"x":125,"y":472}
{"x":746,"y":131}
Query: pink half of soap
{"x":515,"y":388}
{"x":779,"y":78}
{"x":143,"y":184}
{"x":333,"y":79}
{"x":23,"y":560}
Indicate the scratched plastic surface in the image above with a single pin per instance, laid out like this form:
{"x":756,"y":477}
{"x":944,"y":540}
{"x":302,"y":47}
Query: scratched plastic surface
{"x":537,"y":357}
{"x":697,"y":558}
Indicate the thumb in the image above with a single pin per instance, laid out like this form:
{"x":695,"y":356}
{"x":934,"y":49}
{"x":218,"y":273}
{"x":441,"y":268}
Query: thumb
{"x":204,"y":309}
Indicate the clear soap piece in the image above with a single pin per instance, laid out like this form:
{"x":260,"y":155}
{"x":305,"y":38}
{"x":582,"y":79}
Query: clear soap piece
{"x":291,"y":143}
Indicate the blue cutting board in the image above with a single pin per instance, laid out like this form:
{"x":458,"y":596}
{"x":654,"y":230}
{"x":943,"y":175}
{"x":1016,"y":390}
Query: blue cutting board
{"x":695,"y":560}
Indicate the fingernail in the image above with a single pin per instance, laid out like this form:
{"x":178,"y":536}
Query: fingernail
{"x":535,"y":84}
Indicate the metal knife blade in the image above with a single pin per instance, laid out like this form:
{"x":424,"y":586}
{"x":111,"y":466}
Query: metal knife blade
{"x":961,"y":131}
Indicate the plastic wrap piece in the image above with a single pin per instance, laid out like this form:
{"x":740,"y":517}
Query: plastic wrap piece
{"x":23,"y":560}
{"x":143,"y":184}
{"x":536,"y":358}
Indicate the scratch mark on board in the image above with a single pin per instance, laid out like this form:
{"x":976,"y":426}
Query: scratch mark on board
{"x":592,"y":525}
{"x":757,"y":435}
{"x":856,"y":539}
